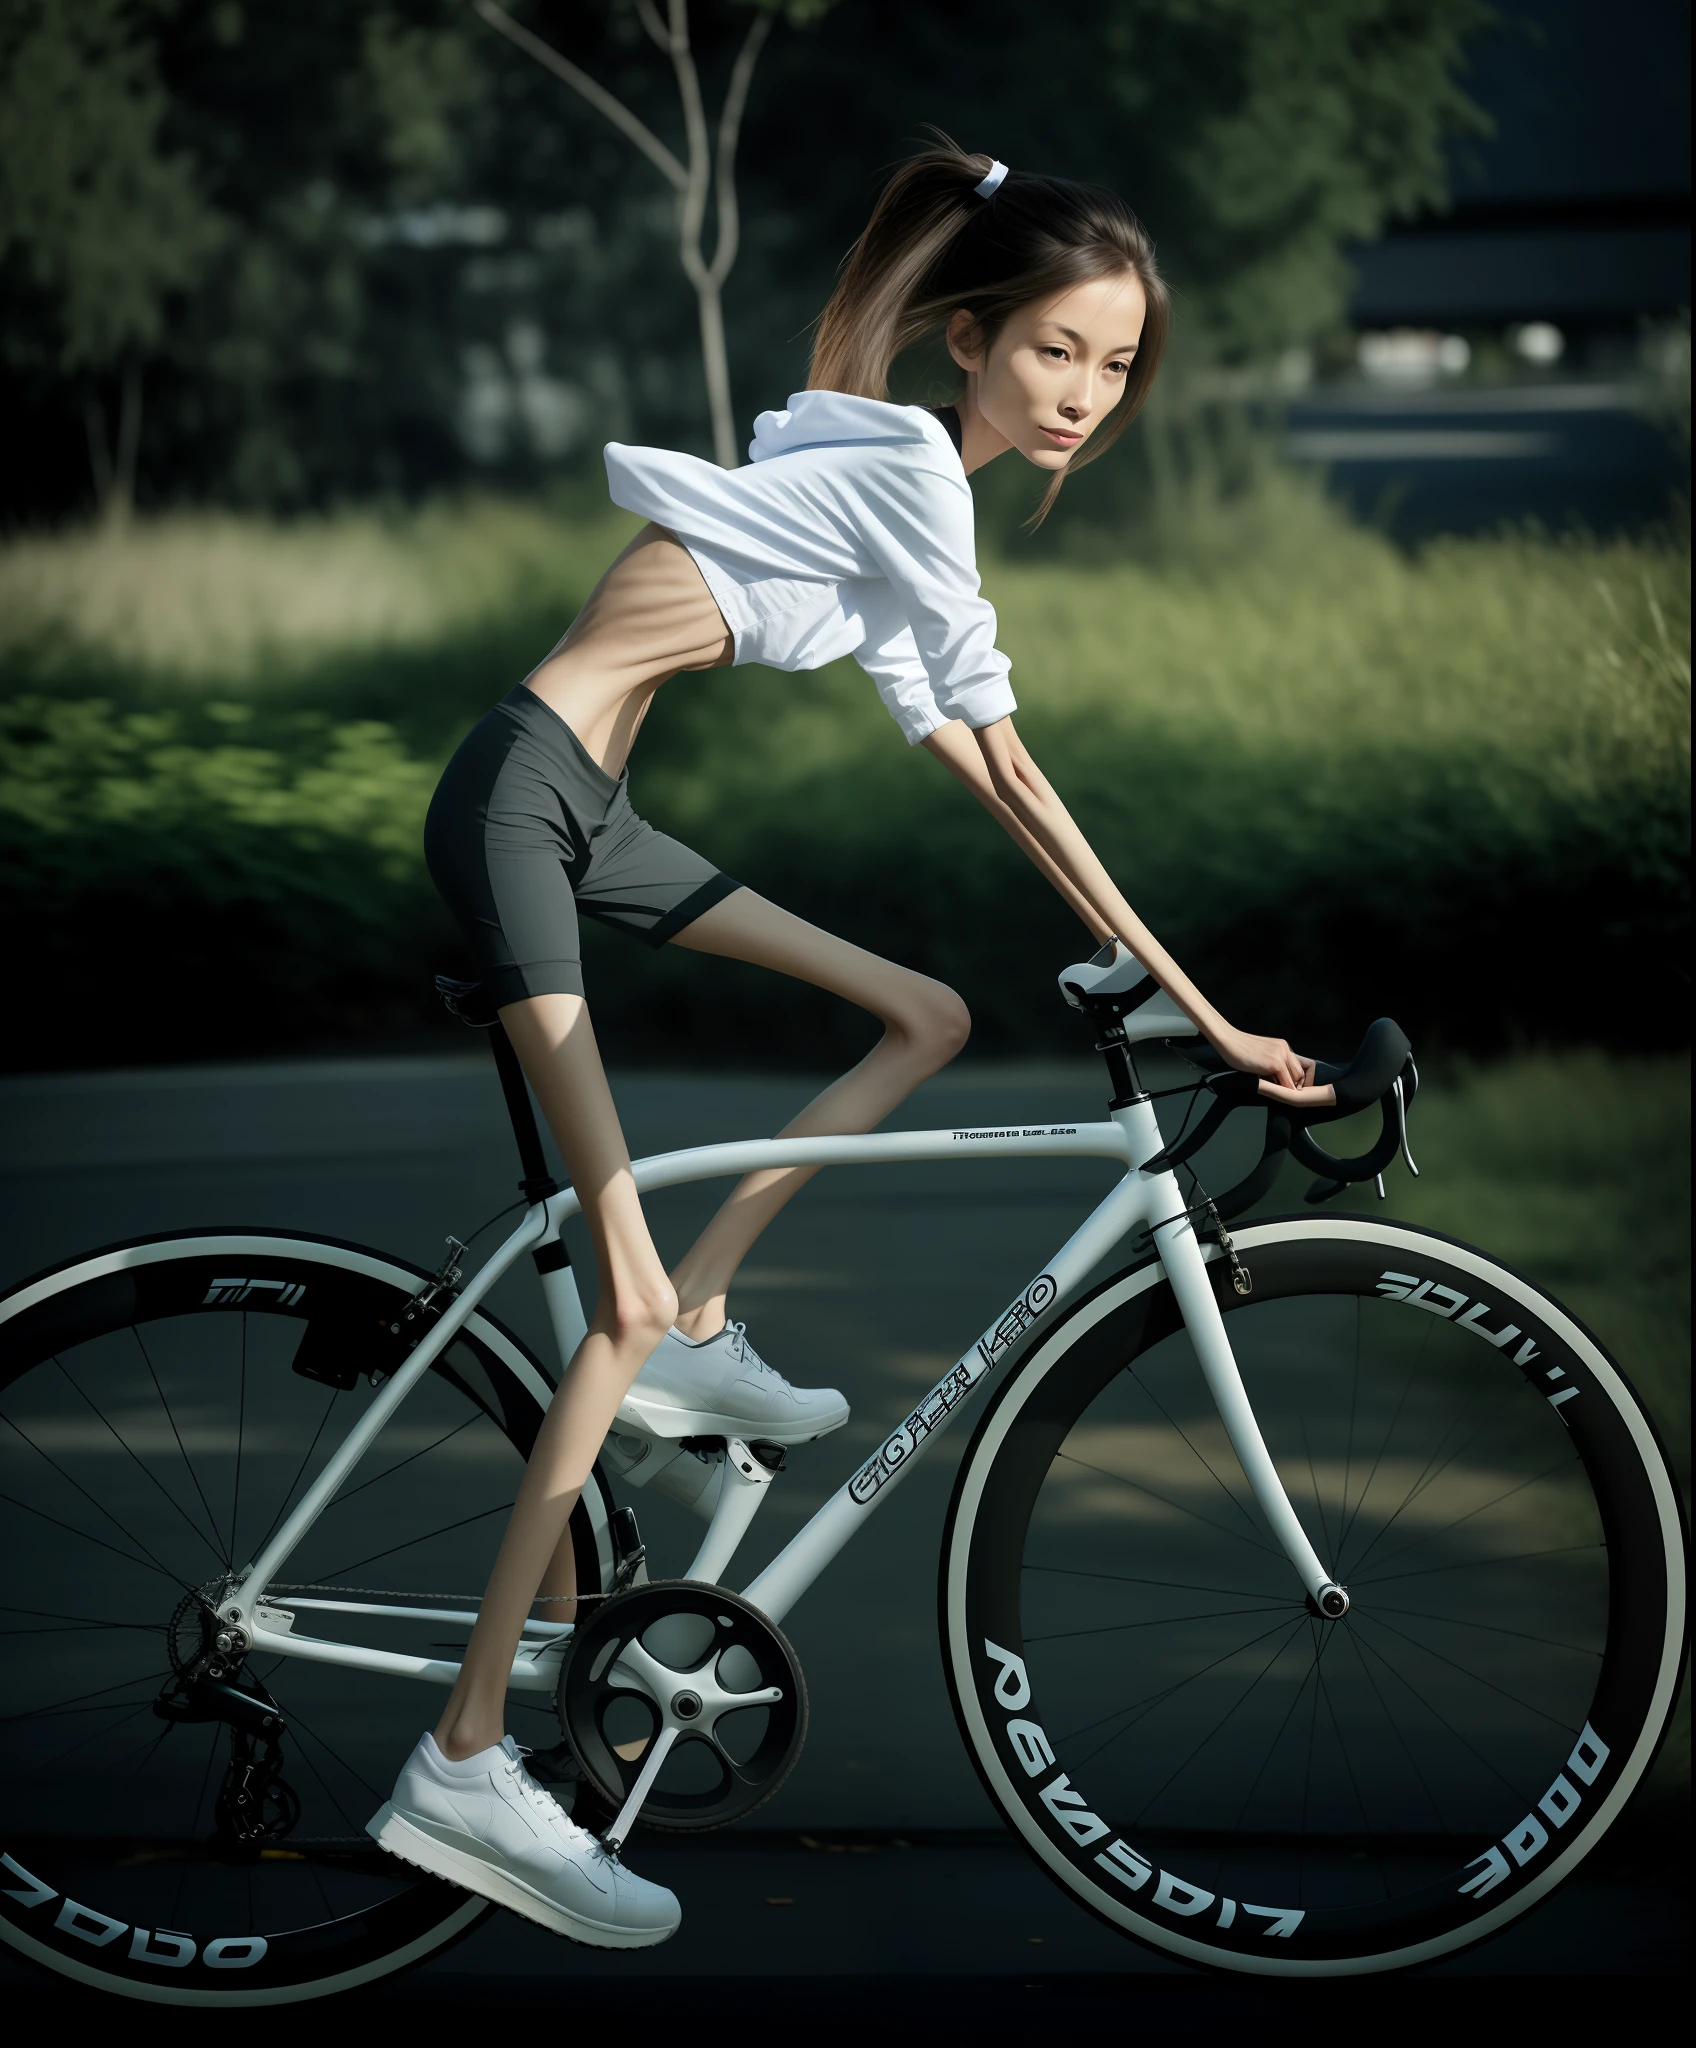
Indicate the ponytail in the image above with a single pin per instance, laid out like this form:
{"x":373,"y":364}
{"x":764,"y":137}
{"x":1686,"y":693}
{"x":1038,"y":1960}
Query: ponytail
{"x":935,"y":246}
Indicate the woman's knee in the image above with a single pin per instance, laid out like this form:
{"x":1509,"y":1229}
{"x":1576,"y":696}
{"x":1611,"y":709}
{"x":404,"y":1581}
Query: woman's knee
{"x":932,"y":1018}
{"x":640,"y":1312}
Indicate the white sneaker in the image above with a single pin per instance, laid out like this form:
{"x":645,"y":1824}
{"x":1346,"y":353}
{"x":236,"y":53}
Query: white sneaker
{"x":723,"y":1387}
{"x":487,"y":1825}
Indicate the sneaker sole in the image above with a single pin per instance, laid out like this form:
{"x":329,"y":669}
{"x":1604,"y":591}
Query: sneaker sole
{"x":662,"y":1420}
{"x":406,"y":1840}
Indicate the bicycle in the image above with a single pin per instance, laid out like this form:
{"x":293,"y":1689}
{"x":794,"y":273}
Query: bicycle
{"x":1312,"y":1598}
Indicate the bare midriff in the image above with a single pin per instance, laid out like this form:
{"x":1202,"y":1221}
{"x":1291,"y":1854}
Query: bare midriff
{"x":650,"y":617}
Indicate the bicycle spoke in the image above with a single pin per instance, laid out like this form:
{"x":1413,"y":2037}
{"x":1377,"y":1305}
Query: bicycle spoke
{"x":1480,"y":1564}
{"x":1428,"y":1477}
{"x":94,"y":1735}
{"x":288,"y":1492}
{"x":1395,"y":1421}
{"x":1155,"y":1621}
{"x":1150,"y":1701}
{"x":1494,"y":1628}
{"x":100,"y":1543}
{"x":1554,"y":1720}
{"x":411,"y":1542}
{"x":170,"y":1417}
{"x":1348,"y":1766}
{"x":81,"y":1620}
{"x":1137,"y":1486}
{"x":1395,"y":1728}
{"x":1195,"y":1453}
{"x":194,"y":1822}
{"x":1131,"y":1579}
{"x":152,"y":1479}
{"x":241,"y":1436}
{"x":389,"y":1471}
{"x":1271,"y":1748}
{"x":73,"y":1703}
{"x":1214,"y":1732}
{"x":1438,"y":1716}
{"x":76,"y":1487}
{"x":1472,"y":1514}
{"x":304,"y":1727}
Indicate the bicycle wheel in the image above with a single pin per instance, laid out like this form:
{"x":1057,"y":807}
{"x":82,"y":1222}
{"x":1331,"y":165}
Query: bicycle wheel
{"x":1190,"y":1750}
{"x":154,"y":1427}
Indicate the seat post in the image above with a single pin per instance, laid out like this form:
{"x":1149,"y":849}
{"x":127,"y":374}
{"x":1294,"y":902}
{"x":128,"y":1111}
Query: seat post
{"x":1121,"y":1064}
{"x":537,"y":1182}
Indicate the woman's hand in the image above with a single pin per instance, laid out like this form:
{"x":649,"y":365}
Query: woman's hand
{"x":1285,"y":1076}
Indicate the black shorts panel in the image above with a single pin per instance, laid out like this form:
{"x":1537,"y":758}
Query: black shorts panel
{"x":526,"y":831}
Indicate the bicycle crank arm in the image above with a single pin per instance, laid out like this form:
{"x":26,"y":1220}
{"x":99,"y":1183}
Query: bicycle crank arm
{"x":1187,"y":1270}
{"x":615,"y":1835}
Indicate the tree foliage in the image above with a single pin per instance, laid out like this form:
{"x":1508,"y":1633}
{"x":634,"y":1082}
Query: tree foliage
{"x":363,"y":250}
{"x":100,"y":220}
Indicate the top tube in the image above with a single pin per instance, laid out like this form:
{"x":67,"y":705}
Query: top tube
{"x":876,"y":1148}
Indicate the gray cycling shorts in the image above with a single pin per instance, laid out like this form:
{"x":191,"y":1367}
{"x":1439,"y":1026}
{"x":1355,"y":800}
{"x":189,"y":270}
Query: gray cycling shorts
{"x":527,"y":830}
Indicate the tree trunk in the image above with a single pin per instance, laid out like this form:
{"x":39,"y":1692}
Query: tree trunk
{"x":99,"y":451}
{"x":715,"y":360}
{"x":114,"y":474}
{"x":692,"y":181}
{"x":122,"y":501}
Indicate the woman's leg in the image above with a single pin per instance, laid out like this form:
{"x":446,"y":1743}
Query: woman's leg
{"x":924,"y":1025}
{"x":556,"y":1046}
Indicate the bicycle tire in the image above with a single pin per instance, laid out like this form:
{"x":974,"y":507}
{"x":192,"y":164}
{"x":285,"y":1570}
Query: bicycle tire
{"x":1453,"y":1760}
{"x":116,"y":1427}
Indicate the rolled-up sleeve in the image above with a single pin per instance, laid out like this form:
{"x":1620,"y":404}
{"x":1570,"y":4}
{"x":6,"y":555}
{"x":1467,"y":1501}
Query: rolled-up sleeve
{"x":920,"y":533}
{"x":890,"y":657}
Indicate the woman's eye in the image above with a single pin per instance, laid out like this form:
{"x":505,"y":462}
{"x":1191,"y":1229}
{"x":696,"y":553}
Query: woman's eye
{"x":1059,"y":354}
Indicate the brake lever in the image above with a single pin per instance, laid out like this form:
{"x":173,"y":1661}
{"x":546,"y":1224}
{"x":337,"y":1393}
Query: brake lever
{"x":1401,"y":1127}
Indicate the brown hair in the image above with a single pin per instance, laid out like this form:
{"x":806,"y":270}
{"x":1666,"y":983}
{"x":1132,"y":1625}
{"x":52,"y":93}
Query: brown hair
{"x":933,"y":247}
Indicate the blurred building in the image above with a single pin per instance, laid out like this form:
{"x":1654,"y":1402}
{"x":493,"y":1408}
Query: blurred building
{"x":1525,"y":354}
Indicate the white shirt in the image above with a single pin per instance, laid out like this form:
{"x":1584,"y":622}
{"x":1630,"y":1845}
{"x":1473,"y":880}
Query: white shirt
{"x":850,"y":532}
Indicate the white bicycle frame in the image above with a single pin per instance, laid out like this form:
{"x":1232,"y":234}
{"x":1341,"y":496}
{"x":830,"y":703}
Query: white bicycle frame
{"x":1131,"y":1134}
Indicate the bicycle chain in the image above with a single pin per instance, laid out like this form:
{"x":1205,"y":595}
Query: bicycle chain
{"x":407,"y":1593}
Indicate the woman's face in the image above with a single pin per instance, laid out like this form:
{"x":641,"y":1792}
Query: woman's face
{"x":1058,"y":367}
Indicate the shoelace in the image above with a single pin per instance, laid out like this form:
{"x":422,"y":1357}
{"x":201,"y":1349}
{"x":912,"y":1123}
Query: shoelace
{"x":744,"y":1353}
{"x":548,"y":1807}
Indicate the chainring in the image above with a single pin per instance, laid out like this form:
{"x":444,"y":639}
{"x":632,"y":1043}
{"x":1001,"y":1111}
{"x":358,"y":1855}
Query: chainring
{"x":703,"y":1662}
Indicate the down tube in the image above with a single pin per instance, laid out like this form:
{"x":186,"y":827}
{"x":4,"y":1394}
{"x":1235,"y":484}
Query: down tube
{"x":799,"y":1563}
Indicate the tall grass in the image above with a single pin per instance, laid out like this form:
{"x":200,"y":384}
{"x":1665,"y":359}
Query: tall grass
{"x":1340,"y":780}
{"x":239,"y":601}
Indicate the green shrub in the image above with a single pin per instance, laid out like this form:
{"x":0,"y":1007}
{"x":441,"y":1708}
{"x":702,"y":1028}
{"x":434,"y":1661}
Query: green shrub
{"x":187,"y":882}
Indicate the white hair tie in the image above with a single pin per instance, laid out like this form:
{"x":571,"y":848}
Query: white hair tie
{"x":992,"y":184}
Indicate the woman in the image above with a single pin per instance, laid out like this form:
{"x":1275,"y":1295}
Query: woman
{"x":850,"y":531}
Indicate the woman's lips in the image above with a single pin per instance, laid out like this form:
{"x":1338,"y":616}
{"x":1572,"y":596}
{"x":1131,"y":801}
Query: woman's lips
{"x":1062,"y":436}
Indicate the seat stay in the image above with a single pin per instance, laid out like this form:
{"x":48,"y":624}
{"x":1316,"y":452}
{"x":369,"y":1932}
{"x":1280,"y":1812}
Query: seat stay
{"x":238,"y":1607}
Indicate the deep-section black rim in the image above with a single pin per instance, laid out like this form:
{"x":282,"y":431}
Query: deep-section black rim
{"x":710,"y":1778}
{"x":118,"y":1452}
{"x":1189,"y":1883}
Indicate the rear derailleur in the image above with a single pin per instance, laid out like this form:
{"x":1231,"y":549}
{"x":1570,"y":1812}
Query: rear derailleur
{"x":255,"y":1804}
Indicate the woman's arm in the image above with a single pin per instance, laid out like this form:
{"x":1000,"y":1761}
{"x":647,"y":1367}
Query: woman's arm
{"x":995,"y":766}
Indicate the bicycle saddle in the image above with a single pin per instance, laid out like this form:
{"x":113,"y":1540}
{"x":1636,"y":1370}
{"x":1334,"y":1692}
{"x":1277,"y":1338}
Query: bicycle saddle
{"x":1115,"y":984}
{"x":466,"y":1000}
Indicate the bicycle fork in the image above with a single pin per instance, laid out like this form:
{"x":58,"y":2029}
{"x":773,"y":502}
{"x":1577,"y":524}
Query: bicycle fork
{"x":1181,"y":1257}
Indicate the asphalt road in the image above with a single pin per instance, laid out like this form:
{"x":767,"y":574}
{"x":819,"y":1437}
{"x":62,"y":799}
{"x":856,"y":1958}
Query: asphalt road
{"x":880,"y":1861}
